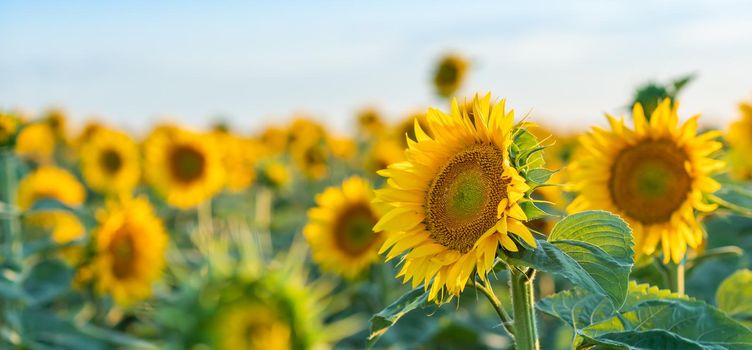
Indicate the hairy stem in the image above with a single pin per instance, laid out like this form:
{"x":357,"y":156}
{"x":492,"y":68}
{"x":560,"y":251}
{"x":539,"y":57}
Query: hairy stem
{"x":526,"y":334}
{"x":486,"y":289}
{"x":676,"y":277}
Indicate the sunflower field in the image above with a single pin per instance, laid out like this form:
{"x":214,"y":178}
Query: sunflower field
{"x":464,"y":226}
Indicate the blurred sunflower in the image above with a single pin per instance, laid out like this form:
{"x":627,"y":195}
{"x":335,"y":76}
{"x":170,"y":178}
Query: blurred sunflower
{"x":654,"y":176}
{"x":8,"y":127}
{"x":450,"y":74}
{"x":274,"y":174}
{"x":274,"y":139}
{"x":341,"y":147}
{"x":239,"y":158}
{"x":130,"y":244}
{"x":183,"y":166}
{"x":370,"y":122}
{"x":382,"y":152}
{"x":339,"y":229}
{"x":110,"y":162}
{"x":740,"y":142}
{"x":406,"y":128}
{"x":456,"y":199}
{"x":36,"y":142}
{"x":90,"y":128}
{"x":58,"y":122}
{"x":65,"y":227}
{"x":48,"y":182}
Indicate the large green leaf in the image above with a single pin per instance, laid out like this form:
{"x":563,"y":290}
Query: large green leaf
{"x":734,"y":296}
{"x":649,"y":319}
{"x":592,"y":249}
{"x":670,"y":323}
{"x":579,"y":308}
{"x":386,"y":318}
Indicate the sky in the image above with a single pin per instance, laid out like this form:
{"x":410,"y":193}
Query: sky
{"x":257,"y":63}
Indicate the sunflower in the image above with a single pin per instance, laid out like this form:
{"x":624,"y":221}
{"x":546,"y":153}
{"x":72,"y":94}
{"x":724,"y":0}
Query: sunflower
{"x":341,"y":147}
{"x":183,"y":166}
{"x":339,"y":229}
{"x":48,"y":182}
{"x":455,"y":199}
{"x":274,"y":174}
{"x":382,"y":152}
{"x":449,"y":74}
{"x":57,"y":121}
{"x":370,"y":122}
{"x":36,"y":142}
{"x":740,"y":142}
{"x":130,"y":244}
{"x":311,"y":156}
{"x":64,"y":227}
{"x":8,"y":128}
{"x":110,"y":162}
{"x":406,"y":128}
{"x":274,"y":139}
{"x":253,"y":326}
{"x":654,"y":176}
{"x":239,"y":158}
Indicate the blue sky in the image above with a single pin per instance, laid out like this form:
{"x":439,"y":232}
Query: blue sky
{"x":259,"y":63}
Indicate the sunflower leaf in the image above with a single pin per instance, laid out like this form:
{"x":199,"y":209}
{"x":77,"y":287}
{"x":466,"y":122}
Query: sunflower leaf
{"x":650,"y":318}
{"x":539,"y":175}
{"x":592,"y":249}
{"x":734,"y":296}
{"x":382,"y":321}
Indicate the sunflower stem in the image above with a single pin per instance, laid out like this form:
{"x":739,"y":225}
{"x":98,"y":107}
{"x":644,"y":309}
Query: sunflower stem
{"x":11,"y":230}
{"x":486,"y":289}
{"x":526,"y":334}
{"x":263,"y":209}
{"x":676,"y":277}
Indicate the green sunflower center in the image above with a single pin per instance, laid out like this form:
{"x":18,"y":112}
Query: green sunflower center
{"x":649,"y":181}
{"x":111,"y":161}
{"x":354,"y":229}
{"x":122,"y":251}
{"x":186,"y":163}
{"x":462,"y":200}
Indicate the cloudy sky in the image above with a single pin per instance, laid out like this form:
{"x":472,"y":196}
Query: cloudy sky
{"x":257,"y":63}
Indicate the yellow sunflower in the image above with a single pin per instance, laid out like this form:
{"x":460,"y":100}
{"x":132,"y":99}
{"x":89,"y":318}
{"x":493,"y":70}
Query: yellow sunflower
{"x":275,"y":174}
{"x":339,"y":229}
{"x":36,"y":142}
{"x":341,"y":147}
{"x":655,"y":176}
{"x":239,"y":158}
{"x":8,"y":128}
{"x":455,"y":199}
{"x":370,"y":122}
{"x":382,"y":152}
{"x":406,"y":128}
{"x":110,"y":162}
{"x":740,"y":142}
{"x":130,"y":244}
{"x":274,"y":139}
{"x":252,"y":326}
{"x":183,"y":166}
{"x":449,"y":74}
{"x":48,"y":182}
{"x":65,"y":227}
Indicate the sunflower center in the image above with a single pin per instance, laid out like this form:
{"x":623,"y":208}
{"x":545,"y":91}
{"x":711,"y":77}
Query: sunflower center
{"x":186,"y":163}
{"x":354,"y":229}
{"x":462,"y":200}
{"x":122,"y":251}
{"x":448,"y":73}
{"x":649,"y":181}
{"x":111,"y":161}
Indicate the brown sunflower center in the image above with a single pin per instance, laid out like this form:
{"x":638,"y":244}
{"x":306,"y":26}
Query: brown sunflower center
{"x":122,"y":251}
{"x":462,"y":201}
{"x":649,"y":181}
{"x":111,"y":161}
{"x":448,"y":73}
{"x":354,"y":229}
{"x":186,"y":163}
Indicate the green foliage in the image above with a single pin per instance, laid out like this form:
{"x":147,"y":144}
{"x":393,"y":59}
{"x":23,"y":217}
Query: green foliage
{"x":734,"y":196}
{"x":386,"y":318}
{"x":734,"y":296}
{"x":649,"y":319}
{"x":651,"y":94}
{"x":592,"y":249}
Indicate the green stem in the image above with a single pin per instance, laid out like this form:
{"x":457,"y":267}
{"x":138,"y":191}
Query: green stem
{"x":526,"y":335}
{"x":10,"y":225}
{"x":486,"y":289}
{"x":676,"y":277}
